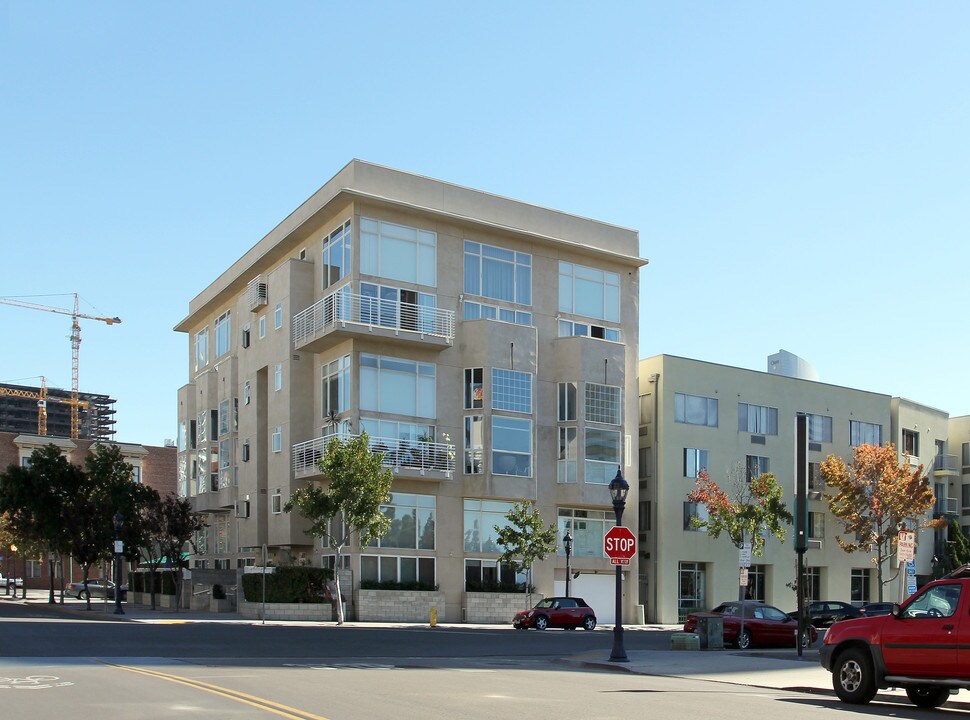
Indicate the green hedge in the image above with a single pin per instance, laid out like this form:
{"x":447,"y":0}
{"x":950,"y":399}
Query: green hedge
{"x":289,"y":584}
{"x":391,"y":585}
{"x":495,"y":587}
{"x":164,"y":582}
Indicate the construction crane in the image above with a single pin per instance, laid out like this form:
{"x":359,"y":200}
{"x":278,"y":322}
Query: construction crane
{"x":41,"y":398}
{"x":75,"y":345}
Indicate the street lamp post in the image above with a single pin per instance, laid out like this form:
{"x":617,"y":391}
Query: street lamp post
{"x":567,"y":543}
{"x":119,"y":549}
{"x":619,"y":488}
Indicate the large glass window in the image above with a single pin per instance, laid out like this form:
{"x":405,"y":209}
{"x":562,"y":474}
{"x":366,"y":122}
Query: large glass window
{"x":223,"y":334}
{"x":695,"y":410}
{"x":202,"y":348}
{"x":566,"y":464}
{"x":511,"y":390}
{"x":398,"y":569}
{"x":337,"y":255}
{"x":474,"y":443}
{"x":861,"y":433}
{"x":481,"y":517}
{"x":224,"y":418}
{"x":398,"y":252}
{"x":336,"y":386}
{"x":757,"y":419}
{"x":396,"y":308}
{"x":394,"y":385}
{"x":408,"y":433}
{"x":487,"y":575}
{"x":859,"y":586}
{"x":602,"y":404}
{"x":567,"y":401}
{"x":588,"y":291}
{"x":602,"y":455}
{"x":755,"y":466}
{"x":511,"y":446}
{"x":692,"y":594}
{"x":587,"y":528}
{"x":695,"y":460}
{"x":472,"y":310}
{"x":570,"y":328}
{"x":819,"y":428}
{"x":497,"y":273}
{"x":692,"y":511}
{"x":412,"y":522}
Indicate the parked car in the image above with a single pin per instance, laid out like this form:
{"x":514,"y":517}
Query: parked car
{"x":564,"y":612}
{"x":917,"y":647}
{"x":6,"y":582}
{"x":822,"y":613}
{"x":763,"y":625}
{"x":877,"y":608}
{"x":96,"y":588}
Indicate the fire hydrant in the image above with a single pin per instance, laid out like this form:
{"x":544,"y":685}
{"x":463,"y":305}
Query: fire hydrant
{"x":434,"y":617}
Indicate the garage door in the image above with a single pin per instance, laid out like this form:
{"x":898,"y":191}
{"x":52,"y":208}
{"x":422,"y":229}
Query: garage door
{"x":599,"y":592}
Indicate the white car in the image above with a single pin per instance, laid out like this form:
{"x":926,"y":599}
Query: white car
{"x":6,"y":582}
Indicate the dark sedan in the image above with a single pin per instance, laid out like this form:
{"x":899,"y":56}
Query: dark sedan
{"x":571,"y":612}
{"x":877,"y":608}
{"x":763,"y":625}
{"x":823,"y":613}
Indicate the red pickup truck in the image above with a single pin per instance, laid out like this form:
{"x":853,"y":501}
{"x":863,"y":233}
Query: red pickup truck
{"x":922,"y":647}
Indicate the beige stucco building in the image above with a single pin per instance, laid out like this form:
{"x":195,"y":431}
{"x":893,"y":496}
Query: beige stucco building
{"x":487,"y":346}
{"x":732,"y":421}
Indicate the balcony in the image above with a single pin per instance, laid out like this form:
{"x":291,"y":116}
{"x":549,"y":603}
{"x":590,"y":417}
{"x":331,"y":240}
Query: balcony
{"x":344,"y":314}
{"x":419,"y":460}
{"x":946,"y":466}
{"x":945,"y":506}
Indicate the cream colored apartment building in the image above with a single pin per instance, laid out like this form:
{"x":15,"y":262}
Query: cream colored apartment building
{"x":488,"y":347}
{"x":735,"y":422}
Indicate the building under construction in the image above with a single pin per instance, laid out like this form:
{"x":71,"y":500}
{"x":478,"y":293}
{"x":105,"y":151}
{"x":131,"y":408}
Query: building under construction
{"x":18,"y":412}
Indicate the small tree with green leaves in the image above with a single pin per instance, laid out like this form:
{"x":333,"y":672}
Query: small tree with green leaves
{"x":525,"y":540}
{"x":355,"y":486}
{"x":179,"y":527}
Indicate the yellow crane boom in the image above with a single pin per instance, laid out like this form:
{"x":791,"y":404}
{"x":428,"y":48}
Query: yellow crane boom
{"x":75,"y":345}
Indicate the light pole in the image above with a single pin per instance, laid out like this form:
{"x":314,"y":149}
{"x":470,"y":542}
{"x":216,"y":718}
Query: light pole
{"x":567,"y":543}
{"x":618,"y":492}
{"x":119,"y":549}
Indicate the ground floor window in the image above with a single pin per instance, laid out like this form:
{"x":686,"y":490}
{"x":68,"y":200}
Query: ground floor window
{"x":397,"y":569}
{"x":587,"y":528}
{"x":859,"y":586}
{"x":692,"y":589}
{"x":491,"y":575}
{"x":330,"y":562}
{"x":813,"y":583}
{"x":756,"y":583}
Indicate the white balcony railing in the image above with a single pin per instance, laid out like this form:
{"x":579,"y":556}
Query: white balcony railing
{"x":342,"y":307}
{"x":419,"y":456}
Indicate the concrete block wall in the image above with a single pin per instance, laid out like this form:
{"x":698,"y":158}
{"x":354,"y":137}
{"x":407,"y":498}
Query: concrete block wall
{"x":307,"y":612}
{"x":496,"y":607}
{"x":399,"y":605}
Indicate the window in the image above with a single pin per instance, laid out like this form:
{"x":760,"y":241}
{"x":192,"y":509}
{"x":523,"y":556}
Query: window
{"x":276,"y":502}
{"x":859,"y":586}
{"x":755,"y":466}
{"x":392,"y":568}
{"x":480,"y":519}
{"x":567,"y":402}
{"x":756,"y":583}
{"x":475,"y":444}
{"x":278,"y":316}
{"x":246,"y":393}
{"x":394,"y":385}
{"x":816,"y":525}
{"x":757,"y":419}
{"x":813,"y":583}
{"x":337,"y":253}
{"x":472,"y":310}
{"x":815,"y":479}
{"x":398,"y":252}
{"x":488,"y":574}
{"x":602,"y":455}
{"x":474,"y":390}
{"x":245,"y":452}
{"x":569,"y":328}
{"x":910,"y":442}
{"x":602,"y":404}
{"x":246,"y":334}
{"x":587,"y":528}
{"x":407,"y":433}
{"x":511,"y":446}
{"x":695,"y":410}
{"x":566,"y":464}
{"x":223,"y":334}
{"x":335,"y":391}
{"x":262,"y":327}
{"x":692,"y":592}
{"x":224,"y":418}
{"x":695,"y":460}
{"x":511,"y":390}
{"x":136,"y":474}
{"x":412,"y":522}
{"x":861,"y":433}
{"x":588,"y":291}
{"x":695,"y":510}
{"x":819,"y":428}
{"x":202,"y":348}
{"x":497,"y":273}
{"x":396,"y":308}
{"x":278,"y":439}
{"x":965,"y":455}
{"x":278,"y":377}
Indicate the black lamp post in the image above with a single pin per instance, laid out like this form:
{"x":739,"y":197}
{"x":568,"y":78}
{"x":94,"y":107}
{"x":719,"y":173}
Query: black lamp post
{"x":619,"y":488}
{"x":119,"y":549}
{"x":567,"y":543}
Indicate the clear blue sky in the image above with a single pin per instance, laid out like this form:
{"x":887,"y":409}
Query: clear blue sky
{"x":798,"y":172}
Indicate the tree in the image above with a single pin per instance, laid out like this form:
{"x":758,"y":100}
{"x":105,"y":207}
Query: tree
{"x":150,"y":552}
{"x":179,"y":525}
{"x":875,"y":499}
{"x":956,"y":551}
{"x":357,"y":485}
{"x":525,"y":540}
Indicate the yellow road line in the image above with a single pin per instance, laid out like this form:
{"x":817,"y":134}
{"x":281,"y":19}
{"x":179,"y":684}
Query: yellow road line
{"x":246,"y":699}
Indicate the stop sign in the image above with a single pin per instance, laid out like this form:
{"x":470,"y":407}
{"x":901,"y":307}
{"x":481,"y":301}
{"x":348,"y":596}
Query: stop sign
{"x":620,"y":544}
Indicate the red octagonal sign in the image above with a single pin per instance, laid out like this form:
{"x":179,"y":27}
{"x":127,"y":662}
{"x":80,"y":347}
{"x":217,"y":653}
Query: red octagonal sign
{"x":620,"y":544}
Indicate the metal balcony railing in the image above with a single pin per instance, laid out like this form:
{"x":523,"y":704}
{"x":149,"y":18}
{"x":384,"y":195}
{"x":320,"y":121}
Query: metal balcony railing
{"x":420,"y":456}
{"x":947,"y":463}
{"x":342,"y":307}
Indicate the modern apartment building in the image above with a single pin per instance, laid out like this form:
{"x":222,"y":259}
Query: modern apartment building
{"x":488,"y":348}
{"x":737,"y":423}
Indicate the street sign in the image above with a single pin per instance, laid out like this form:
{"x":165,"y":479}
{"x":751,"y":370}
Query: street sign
{"x":743,"y":577}
{"x":620,"y":544}
{"x":744,"y":555}
{"x":906,"y":545}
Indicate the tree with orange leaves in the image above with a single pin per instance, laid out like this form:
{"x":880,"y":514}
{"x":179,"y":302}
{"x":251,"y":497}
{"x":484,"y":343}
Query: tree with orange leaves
{"x":875,"y":499}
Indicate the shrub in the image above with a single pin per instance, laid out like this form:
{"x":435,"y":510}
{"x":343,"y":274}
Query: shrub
{"x":496,"y":587}
{"x":218,"y":593}
{"x":289,"y":584}
{"x":392,"y":585}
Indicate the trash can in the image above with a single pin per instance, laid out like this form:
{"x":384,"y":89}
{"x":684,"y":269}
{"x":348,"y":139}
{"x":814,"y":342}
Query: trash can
{"x":711,"y":632}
